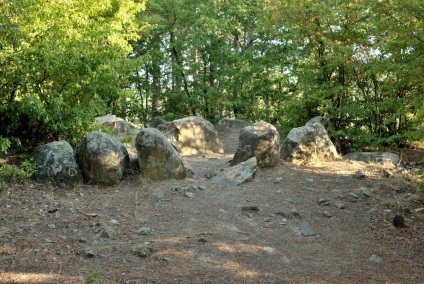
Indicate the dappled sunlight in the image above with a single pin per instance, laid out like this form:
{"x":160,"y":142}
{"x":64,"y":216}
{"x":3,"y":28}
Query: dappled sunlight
{"x":236,"y":248}
{"x":239,"y":270}
{"x":173,"y":252}
{"x":341,"y":168}
{"x":22,"y":277}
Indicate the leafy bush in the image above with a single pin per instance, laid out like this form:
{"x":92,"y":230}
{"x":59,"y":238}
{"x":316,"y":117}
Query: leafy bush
{"x":26,"y":169}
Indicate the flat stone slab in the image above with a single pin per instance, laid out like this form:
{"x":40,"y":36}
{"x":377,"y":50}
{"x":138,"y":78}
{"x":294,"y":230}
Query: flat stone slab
{"x":237,"y":175}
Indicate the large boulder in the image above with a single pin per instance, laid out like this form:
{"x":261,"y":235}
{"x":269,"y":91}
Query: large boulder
{"x":103,"y":158}
{"x":160,"y":124}
{"x":157,"y":158}
{"x":57,"y":165}
{"x":125,"y":132}
{"x":384,"y":158}
{"x":238,"y":174}
{"x":193,"y":135}
{"x":260,"y":140}
{"x":305,"y":143}
{"x":230,"y":124}
{"x":120,"y":127}
{"x":328,"y":125}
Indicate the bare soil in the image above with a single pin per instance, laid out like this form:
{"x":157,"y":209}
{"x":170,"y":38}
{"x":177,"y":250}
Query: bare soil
{"x":270,"y":230}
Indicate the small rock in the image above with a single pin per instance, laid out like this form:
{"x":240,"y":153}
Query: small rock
{"x":107,"y":233}
{"x":49,"y":241}
{"x":366,"y":193}
{"x":327,"y":214}
{"x":294,"y":212}
{"x":323,"y":202}
{"x":359,"y":174}
{"x":340,"y":205}
{"x":143,"y":250}
{"x":375,"y":259}
{"x":181,"y":188}
{"x":419,"y":210}
{"x":199,"y":187}
{"x":82,"y":240}
{"x":307,"y":231}
{"x":189,"y":194}
{"x":250,"y":208}
{"x":144,"y":231}
{"x":51,"y":226}
{"x":114,"y":222}
{"x":157,"y":195}
{"x":57,"y":214}
{"x":278,"y":180}
{"x":353,"y":195}
{"x":399,"y":221}
{"x":89,"y":253}
{"x":406,"y":210}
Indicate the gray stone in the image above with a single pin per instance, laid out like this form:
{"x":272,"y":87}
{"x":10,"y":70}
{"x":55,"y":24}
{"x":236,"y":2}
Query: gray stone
{"x":189,"y":194}
{"x":306,"y":231}
{"x":323,"y":202}
{"x":340,"y":205}
{"x":144,"y":231}
{"x":359,"y":174}
{"x":278,"y":180}
{"x":260,"y":140}
{"x":231,"y":124}
{"x":158,"y":159}
{"x":366,"y":192}
{"x":353,"y":195}
{"x":51,"y":226}
{"x":237,"y":175}
{"x":89,"y":253}
{"x":306,"y":143}
{"x":193,"y":135}
{"x":120,"y":127}
{"x":325,"y":122}
{"x":384,"y":158}
{"x":103,"y":158}
{"x":57,"y":165}
{"x":327,"y":214}
{"x":375,"y":259}
{"x":142,"y":250}
{"x":159,"y":123}
{"x":419,"y":210}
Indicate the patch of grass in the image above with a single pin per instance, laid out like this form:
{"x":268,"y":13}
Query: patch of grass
{"x":389,"y":203}
{"x":127,"y":139}
{"x":93,"y":277}
{"x":26,"y":169}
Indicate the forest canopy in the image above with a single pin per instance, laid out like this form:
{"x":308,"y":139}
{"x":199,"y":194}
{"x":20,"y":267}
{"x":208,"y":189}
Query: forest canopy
{"x":358,"y":63}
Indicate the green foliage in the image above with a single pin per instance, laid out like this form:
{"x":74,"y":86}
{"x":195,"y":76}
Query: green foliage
{"x":359,"y":63}
{"x":4,"y":144}
{"x":61,"y":64}
{"x":93,"y":277}
{"x":26,"y":169}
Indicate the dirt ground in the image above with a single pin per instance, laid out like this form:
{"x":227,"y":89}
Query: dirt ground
{"x":314,"y":223}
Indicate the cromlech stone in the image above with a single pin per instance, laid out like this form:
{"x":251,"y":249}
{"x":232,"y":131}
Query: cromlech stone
{"x":229,"y":123}
{"x":306,"y":143}
{"x":57,"y":165}
{"x":260,"y":140}
{"x":193,"y":135}
{"x":384,"y":158}
{"x":103,"y":158}
{"x":119,"y":126}
{"x":237,"y":175}
{"x":157,"y":158}
{"x":328,"y":125}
